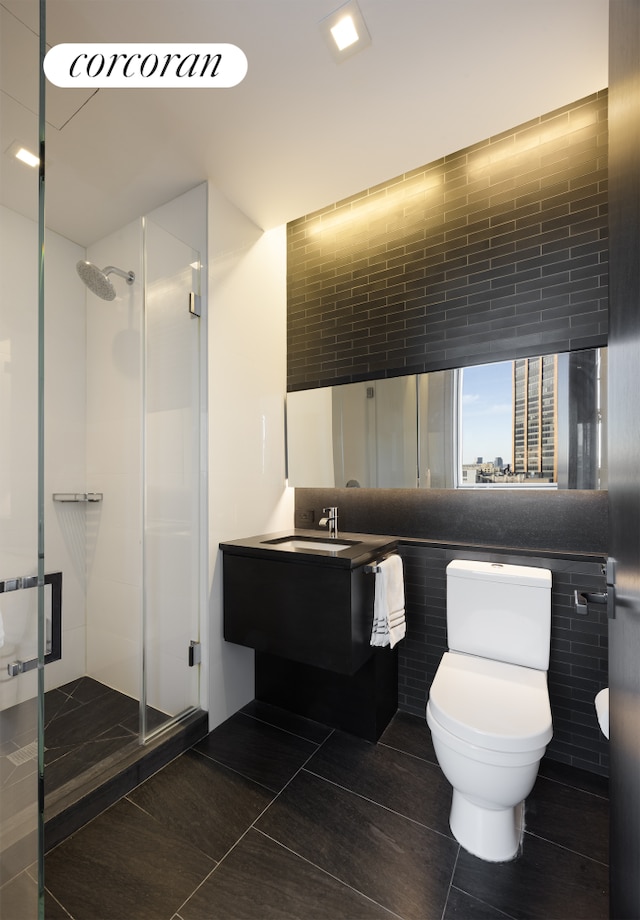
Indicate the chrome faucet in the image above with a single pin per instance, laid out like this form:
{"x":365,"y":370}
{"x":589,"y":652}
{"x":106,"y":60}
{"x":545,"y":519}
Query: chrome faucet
{"x":330,"y":521}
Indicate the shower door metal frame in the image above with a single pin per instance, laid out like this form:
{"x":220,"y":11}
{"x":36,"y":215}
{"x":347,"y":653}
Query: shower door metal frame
{"x":42,"y":51}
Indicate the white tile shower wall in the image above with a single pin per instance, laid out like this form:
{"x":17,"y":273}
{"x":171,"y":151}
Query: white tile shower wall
{"x":64,"y":434}
{"x":247,"y":384}
{"x":113,"y":452}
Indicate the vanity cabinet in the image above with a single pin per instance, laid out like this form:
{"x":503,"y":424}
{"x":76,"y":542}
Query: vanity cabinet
{"x":307,"y":610}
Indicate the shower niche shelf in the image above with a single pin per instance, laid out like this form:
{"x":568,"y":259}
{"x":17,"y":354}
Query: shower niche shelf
{"x":77,"y":496}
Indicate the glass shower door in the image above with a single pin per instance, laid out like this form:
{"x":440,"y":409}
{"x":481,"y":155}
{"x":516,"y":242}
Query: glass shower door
{"x":172,"y":475}
{"x":23,"y":595}
{"x":18,"y":543}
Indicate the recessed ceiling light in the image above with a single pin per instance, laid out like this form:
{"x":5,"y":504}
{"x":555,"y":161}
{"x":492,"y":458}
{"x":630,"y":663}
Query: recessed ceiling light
{"x":27,"y":157}
{"x":20,"y":152}
{"x":345,"y":31}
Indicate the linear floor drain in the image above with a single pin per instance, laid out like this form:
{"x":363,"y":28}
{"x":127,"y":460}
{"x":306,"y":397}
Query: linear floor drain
{"x":24,"y":754}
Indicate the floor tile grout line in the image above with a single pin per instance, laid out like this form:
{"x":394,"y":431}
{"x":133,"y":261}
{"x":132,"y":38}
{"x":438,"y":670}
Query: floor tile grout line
{"x":50,"y":894}
{"x":226,"y":766}
{"x":379,"y":804}
{"x":560,"y":782}
{"x":231,"y":848}
{"x":483,"y":902}
{"x":113,"y":804}
{"x":276,"y":796}
{"x":567,"y":849}
{"x":453,"y":872}
{"x":250,"y":715}
{"x":400,"y":750}
{"x":279,"y":728}
{"x":166,"y":828}
{"x":336,"y":878}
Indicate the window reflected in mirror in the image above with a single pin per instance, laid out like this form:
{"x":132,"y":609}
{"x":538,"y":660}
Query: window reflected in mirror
{"x":535,"y":422}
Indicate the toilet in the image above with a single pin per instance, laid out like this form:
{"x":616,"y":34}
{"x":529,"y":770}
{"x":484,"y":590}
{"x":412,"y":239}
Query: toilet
{"x":488,"y":707}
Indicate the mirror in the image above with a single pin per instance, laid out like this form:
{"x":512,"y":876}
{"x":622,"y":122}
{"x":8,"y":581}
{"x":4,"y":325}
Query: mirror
{"x":535,"y":422}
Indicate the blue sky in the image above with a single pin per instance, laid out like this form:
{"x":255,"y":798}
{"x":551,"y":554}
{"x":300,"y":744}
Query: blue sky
{"x":487,"y":412}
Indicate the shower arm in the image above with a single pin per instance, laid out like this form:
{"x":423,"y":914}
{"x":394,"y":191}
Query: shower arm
{"x":129,"y":277}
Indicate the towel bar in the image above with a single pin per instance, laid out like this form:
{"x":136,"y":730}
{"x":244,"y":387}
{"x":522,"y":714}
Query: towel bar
{"x":374,"y":567}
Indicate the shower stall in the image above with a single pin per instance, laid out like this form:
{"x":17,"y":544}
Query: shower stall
{"x":103,"y":550}
{"x":125,"y":525}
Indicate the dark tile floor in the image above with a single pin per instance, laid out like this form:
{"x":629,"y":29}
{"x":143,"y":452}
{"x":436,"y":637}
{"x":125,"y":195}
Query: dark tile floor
{"x":272,"y":816}
{"x":87,"y":723}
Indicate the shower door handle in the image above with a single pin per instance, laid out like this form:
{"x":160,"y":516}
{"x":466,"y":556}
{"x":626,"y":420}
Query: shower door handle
{"x":17,"y":584}
{"x":53,"y":623}
{"x":195,"y":304}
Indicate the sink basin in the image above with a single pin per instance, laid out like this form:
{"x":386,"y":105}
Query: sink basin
{"x":300,"y":544}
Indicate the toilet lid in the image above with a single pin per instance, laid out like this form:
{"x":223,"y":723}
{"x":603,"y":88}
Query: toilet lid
{"x":491,"y":704}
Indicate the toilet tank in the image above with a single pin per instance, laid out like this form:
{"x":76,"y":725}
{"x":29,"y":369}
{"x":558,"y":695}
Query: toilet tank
{"x":502,"y":612}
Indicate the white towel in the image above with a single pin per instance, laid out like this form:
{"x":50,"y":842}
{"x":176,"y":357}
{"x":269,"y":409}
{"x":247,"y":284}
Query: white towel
{"x":388,"y":605}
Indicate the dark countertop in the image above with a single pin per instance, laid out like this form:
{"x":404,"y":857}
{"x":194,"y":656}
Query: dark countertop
{"x":363,"y":549}
{"x":368,"y":547}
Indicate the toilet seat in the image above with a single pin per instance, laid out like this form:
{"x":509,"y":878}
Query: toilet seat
{"x":491,"y":704}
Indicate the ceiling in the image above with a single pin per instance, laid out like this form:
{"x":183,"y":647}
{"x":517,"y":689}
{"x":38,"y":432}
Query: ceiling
{"x":301,"y":131}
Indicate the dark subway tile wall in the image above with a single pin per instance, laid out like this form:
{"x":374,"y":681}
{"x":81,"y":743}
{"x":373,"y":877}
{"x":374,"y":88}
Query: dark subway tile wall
{"x":497,"y":251}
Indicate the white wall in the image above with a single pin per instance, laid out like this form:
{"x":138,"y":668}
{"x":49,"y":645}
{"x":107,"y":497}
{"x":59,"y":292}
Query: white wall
{"x":247,"y":386}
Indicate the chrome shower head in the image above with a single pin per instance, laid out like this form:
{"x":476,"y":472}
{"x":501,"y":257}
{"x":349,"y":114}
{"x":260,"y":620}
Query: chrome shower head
{"x":97,"y":279}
